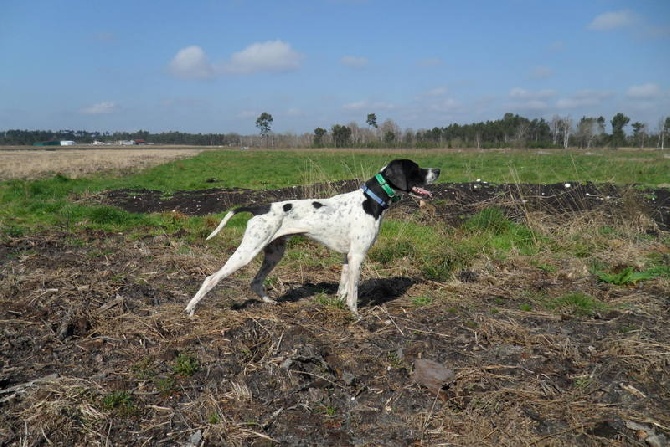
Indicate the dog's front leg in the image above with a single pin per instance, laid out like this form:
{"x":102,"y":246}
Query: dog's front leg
{"x":344,"y":280}
{"x":354,"y":261}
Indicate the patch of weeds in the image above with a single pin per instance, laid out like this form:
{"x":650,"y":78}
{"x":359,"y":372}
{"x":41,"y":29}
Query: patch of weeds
{"x":526,"y":307}
{"x":628,"y":276}
{"x":108,"y":215}
{"x":470,"y":324}
{"x":491,"y":220}
{"x":394,"y":359}
{"x":143,"y":370}
{"x":13,"y":231}
{"x":442,"y":262}
{"x":577,"y":303}
{"x":185,"y":365}
{"x":582,"y":382}
{"x":627,"y":328}
{"x":329,"y":301}
{"x":500,"y":301}
{"x":165,"y":386}
{"x":120,"y":402}
{"x":271,"y":282}
{"x":391,"y":252}
{"x":607,"y":230}
{"x":421,"y":301}
{"x":504,"y":233}
{"x":546,"y":268}
{"x":328,"y":410}
{"x":427,"y":248}
{"x":214,"y":418}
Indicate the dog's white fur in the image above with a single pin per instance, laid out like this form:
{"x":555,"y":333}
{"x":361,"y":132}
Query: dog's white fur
{"x":347,"y":223}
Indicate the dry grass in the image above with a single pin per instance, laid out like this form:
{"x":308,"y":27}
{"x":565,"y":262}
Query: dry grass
{"x":110,"y":315}
{"x":77,"y":163}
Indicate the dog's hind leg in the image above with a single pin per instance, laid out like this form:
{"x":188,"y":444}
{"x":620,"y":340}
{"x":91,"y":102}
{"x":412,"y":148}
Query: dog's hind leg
{"x":250,"y":246}
{"x":273,"y":254}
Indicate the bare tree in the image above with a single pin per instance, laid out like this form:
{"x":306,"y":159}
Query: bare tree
{"x":663,"y":129}
{"x":567,"y":129}
{"x":356,"y":133}
{"x":555,"y":126}
{"x":587,"y":131}
{"x":639,"y":132}
{"x":561,"y":127}
{"x":390,"y":131}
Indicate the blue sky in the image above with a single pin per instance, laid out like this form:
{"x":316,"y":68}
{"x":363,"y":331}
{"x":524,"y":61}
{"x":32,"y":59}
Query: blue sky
{"x":215,"y":65}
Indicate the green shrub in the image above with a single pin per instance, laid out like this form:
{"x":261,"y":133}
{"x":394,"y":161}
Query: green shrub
{"x":120,"y":402}
{"x":186,"y":365}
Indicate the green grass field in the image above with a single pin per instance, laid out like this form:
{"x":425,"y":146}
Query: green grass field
{"x":48,"y":201}
{"x":276,"y":169}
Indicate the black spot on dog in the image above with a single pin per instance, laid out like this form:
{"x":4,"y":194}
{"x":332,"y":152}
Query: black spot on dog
{"x":317,"y":205}
{"x":288,"y":207}
{"x":256,"y":210}
{"x":372,"y":208}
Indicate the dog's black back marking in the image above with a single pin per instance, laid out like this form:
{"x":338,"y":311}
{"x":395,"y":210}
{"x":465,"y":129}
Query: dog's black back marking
{"x":287,"y":207}
{"x":256,"y":210}
{"x":317,"y":205}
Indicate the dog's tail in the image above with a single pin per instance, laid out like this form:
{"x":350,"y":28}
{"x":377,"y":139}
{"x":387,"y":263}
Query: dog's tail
{"x":223,"y":223}
{"x":249,"y":209}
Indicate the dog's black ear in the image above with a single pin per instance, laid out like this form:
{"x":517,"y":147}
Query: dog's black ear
{"x":402,"y":174}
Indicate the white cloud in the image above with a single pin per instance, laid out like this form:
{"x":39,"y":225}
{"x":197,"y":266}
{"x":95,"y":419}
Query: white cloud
{"x":644,"y":91}
{"x":612,"y":20}
{"x":191,"y":63}
{"x":270,"y":56}
{"x":354,"y":61}
{"x":100,"y":108}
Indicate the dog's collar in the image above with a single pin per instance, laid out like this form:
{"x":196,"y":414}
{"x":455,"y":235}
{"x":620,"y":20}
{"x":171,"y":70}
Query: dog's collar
{"x":370,"y":193}
{"x":387,"y":189}
{"x":392,"y":196}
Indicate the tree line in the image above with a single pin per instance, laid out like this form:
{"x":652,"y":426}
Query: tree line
{"x":17,"y":137}
{"x":511,"y":131}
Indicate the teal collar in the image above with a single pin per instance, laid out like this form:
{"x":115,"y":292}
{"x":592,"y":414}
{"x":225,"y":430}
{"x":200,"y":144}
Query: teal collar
{"x":387,"y":189}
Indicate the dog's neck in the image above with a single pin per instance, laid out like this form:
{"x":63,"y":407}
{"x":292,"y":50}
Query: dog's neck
{"x":378,"y":189}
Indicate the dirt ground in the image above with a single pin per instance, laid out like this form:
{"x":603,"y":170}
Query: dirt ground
{"x":95,"y":348}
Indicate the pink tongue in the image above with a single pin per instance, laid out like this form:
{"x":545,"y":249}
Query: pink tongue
{"x":421,"y":191}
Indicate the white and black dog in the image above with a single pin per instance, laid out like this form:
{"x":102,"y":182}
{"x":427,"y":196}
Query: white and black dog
{"x":347,"y":223}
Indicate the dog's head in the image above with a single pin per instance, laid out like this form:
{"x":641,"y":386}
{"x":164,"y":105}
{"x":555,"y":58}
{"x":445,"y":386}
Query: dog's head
{"x":406,"y":176}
